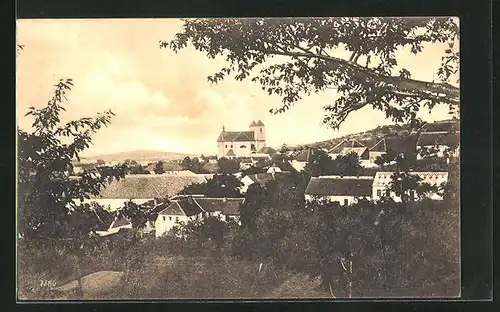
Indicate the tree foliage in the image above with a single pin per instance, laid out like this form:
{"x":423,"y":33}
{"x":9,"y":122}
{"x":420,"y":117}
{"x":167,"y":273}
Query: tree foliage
{"x":220,"y":185}
{"x":322,"y":164}
{"x":295,"y":57}
{"x":228,"y":166}
{"x":46,"y":191}
{"x":159,"y":167}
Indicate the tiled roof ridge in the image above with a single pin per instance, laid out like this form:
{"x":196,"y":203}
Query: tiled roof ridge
{"x":346,"y":177}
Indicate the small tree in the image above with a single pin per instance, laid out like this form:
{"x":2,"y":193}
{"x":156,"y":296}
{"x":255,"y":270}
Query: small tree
{"x":186,"y":163}
{"x":228,"y":166}
{"x":159,"y":168}
{"x":348,"y":165}
{"x":48,"y":216}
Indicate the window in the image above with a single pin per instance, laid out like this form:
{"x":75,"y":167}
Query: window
{"x":243,"y":146}
{"x":379,"y":193}
{"x":169,"y":218}
{"x":252,"y":147}
{"x":387,"y":193}
{"x":164,"y":218}
{"x":231,"y":145}
{"x":226,"y":145}
{"x":176,"y":219}
{"x":260,"y":130}
{"x":346,"y":202}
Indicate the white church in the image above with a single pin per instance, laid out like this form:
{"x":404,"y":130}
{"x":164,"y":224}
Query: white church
{"x":231,"y":144}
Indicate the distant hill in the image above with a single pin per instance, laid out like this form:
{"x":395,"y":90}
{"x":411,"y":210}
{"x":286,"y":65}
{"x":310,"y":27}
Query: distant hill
{"x":141,"y":156}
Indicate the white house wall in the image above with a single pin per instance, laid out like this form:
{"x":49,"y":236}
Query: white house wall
{"x":113,"y":204}
{"x":165,"y":223}
{"x":299,"y":165}
{"x":239,"y":151}
{"x":376,"y":196}
{"x":340,"y":199}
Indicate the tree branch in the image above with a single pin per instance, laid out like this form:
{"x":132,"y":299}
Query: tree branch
{"x":400,"y":83}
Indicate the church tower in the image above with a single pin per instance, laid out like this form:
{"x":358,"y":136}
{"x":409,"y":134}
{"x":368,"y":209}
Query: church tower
{"x":259,"y":130}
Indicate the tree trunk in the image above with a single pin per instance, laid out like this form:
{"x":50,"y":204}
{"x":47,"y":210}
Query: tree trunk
{"x":79,"y":273}
{"x":350,"y":277}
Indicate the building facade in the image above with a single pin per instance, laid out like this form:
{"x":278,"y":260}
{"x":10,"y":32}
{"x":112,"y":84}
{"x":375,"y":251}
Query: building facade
{"x":344,"y":190}
{"x":382,"y":182}
{"x":231,"y":144}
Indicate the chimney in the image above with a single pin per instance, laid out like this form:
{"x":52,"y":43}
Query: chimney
{"x":224,"y":200}
{"x":223,"y":129}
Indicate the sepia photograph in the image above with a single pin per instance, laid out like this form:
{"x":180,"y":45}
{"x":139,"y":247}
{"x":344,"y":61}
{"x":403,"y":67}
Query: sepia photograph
{"x":238,"y":158}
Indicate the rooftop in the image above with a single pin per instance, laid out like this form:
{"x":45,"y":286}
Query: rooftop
{"x":145,"y":186}
{"x":339,"y":186}
{"x":433,"y":178}
{"x":236,"y":136}
{"x":228,"y":206}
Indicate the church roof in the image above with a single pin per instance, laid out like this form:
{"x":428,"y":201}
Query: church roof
{"x":236,"y":136}
{"x":260,"y":123}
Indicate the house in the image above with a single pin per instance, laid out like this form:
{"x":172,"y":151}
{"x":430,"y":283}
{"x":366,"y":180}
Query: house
{"x":259,"y":158}
{"x":186,"y":208}
{"x":120,"y":222}
{"x":171,"y":168}
{"x":267,"y":151}
{"x":383,"y":180}
{"x":181,"y":210}
{"x":142,"y":188}
{"x":344,"y":190}
{"x":231,"y":144}
{"x":261,"y":178}
{"x":440,"y":136}
{"x":223,"y":208}
{"x":303,"y":158}
{"x":405,"y":145}
{"x":245,"y":163}
{"x":347,"y":146}
{"x":281,"y":166}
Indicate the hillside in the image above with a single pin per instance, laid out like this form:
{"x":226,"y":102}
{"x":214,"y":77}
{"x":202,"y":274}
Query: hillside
{"x":139,"y":156}
{"x":370,"y":137}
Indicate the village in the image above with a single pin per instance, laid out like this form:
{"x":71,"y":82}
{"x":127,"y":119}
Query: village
{"x":238,"y":158}
{"x":160,"y":184}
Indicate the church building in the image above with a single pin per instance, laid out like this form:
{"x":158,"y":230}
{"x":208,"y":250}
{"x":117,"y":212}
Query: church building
{"x":231,"y":144}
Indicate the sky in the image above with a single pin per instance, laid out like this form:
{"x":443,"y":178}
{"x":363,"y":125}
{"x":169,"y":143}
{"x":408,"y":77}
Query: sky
{"x":162,"y":100}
